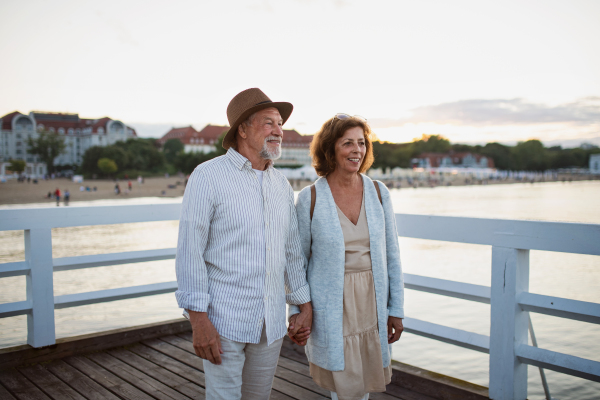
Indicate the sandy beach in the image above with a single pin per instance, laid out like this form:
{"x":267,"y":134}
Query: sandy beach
{"x":13,"y":192}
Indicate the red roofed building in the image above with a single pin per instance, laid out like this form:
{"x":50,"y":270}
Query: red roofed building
{"x":294,"y":146}
{"x":452,"y":160}
{"x":79,"y":135}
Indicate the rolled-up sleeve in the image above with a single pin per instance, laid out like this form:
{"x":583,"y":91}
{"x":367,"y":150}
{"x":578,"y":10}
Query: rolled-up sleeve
{"x":194,"y":225}
{"x":396,"y":279}
{"x":296,"y":285}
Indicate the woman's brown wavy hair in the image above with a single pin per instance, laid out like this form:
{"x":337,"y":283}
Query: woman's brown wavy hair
{"x":322,"y":148}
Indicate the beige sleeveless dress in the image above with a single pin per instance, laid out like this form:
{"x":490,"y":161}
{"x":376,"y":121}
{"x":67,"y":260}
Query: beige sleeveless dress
{"x":363,"y":371}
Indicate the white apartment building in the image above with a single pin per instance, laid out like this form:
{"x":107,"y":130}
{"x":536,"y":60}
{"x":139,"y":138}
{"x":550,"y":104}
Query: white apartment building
{"x":79,"y":135}
{"x":595,"y":164}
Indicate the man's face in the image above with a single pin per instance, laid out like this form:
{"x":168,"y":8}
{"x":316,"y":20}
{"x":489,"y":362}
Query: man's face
{"x":265,"y":134}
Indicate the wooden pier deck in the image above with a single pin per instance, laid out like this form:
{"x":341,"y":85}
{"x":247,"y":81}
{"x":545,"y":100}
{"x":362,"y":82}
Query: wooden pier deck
{"x":158,"y":362}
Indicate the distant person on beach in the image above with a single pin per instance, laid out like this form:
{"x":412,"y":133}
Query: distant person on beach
{"x":348,"y":233}
{"x":57,"y":196}
{"x":129,"y":185}
{"x":117,"y":189}
{"x":67,"y":197}
{"x":239,"y":256}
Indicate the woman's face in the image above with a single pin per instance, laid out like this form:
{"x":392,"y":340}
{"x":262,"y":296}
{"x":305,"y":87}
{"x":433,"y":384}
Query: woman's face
{"x":350,"y":150}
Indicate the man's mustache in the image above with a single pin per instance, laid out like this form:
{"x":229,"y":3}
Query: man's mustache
{"x":277,"y":138}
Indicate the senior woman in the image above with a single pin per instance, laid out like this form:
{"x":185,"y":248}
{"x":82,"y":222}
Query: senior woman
{"x":354,"y":269}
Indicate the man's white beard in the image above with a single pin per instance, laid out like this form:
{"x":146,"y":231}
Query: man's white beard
{"x":267,"y":154}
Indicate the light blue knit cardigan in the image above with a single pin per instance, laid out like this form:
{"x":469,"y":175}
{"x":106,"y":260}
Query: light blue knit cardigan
{"x":325,"y":347}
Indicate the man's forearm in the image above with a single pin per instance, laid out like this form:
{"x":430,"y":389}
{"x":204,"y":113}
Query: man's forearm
{"x":305,"y":307}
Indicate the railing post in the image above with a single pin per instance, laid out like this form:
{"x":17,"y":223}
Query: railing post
{"x":40,"y":287}
{"x":509,"y":324}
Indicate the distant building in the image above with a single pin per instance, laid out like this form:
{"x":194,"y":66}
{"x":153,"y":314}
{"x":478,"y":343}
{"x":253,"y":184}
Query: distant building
{"x":452,"y":160}
{"x":79,"y":134}
{"x":294,"y":148}
{"x":194,"y":141}
{"x":595,"y":164}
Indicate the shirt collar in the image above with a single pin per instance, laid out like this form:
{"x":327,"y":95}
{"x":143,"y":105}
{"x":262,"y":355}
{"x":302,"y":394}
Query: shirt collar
{"x":240,"y":161}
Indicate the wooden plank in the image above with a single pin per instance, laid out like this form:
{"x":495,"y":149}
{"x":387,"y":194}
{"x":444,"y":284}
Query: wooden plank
{"x":294,"y":391}
{"x":21,"y":387}
{"x":275,"y":395}
{"x":292,"y":351}
{"x":106,"y":379}
{"x":183,"y":370}
{"x":78,"y":381}
{"x":300,"y":380}
{"x":293,"y":365}
{"x":405,"y":394}
{"x":5,"y":394}
{"x":50,"y":384}
{"x":160,"y":373}
{"x":136,"y":378}
{"x":183,"y":356}
{"x":179,"y":342}
{"x":25,"y":354}
{"x":438,"y":386}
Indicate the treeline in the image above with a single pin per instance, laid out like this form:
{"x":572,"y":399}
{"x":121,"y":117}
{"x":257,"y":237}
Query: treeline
{"x":525,"y":156}
{"x":143,"y":157}
{"x":133,"y":157}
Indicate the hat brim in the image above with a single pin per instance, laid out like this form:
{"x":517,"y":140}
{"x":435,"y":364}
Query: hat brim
{"x":285,"y":109}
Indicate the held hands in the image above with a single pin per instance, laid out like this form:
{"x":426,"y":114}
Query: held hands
{"x":207,"y":343}
{"x":301,"y":324}
{"x":395,"y":329}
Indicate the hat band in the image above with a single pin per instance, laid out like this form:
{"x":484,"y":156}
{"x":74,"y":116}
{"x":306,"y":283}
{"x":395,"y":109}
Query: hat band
{"x":263,"y":102}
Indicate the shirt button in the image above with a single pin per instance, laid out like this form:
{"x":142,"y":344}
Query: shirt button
{"x":268,"y":248}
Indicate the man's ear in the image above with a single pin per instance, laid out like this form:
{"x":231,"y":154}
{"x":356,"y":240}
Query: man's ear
{"x":241,"y":131}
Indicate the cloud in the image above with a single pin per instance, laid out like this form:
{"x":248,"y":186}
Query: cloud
{"x":481,"y":112}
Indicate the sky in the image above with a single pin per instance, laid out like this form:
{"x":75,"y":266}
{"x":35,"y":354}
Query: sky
{"x":473,"y":71}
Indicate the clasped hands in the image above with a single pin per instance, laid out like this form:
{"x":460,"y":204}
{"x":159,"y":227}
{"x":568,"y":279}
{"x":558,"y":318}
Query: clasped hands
{"x":301,"y":324}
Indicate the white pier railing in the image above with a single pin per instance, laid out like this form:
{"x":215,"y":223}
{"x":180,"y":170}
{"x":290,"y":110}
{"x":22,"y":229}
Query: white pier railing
{"x":508,"y":295}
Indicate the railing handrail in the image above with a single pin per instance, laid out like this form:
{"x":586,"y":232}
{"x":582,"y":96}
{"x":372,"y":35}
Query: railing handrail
{"x":508,"y":295}
{"x":568,"y":237}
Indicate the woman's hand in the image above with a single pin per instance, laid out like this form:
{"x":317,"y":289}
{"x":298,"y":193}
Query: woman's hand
{"x":395,"y":329}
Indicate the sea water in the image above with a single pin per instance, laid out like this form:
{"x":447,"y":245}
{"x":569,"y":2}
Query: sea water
{"x":556,"y":274}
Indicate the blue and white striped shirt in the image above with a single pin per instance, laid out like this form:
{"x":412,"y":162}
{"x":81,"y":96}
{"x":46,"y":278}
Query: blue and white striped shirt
{"x":239,"y":256}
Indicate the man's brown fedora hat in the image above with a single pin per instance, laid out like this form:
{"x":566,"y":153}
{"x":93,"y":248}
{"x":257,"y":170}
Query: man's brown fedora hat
{"x":246,"y":103}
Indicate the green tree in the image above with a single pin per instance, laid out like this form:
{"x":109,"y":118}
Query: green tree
{"x":171,"y":148}
{"x":17,"y":166}
{"x":499,"y":153}
{"x":107,"y":166}
{"x":219,"y":150}
{"x":47,"y":146}
{"x":431,"y":144}
{"x":529,"y":156}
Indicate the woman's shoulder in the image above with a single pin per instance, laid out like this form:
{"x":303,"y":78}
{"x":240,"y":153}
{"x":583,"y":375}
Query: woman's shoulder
{"x":382,"y":187}
{"x":304,"y":195}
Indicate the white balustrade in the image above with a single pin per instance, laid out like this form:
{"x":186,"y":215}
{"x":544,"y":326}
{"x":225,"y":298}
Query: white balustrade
{"x":508,"y":295}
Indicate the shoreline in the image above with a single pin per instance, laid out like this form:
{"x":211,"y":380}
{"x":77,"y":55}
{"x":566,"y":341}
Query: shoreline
{"x":161,"y":189}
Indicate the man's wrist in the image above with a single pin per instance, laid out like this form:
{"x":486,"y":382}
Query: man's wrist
{"x":305,"y":307}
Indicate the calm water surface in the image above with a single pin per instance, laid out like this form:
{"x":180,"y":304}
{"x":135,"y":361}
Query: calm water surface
{"x":557,"y":274}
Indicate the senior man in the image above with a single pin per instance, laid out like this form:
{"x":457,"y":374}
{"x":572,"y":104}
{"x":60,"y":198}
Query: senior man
{"x":239,"y":257}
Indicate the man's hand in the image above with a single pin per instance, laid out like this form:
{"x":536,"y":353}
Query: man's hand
{"x":207,"y":343}
{"x":301,"y":324}
{"x":395,"y":329}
